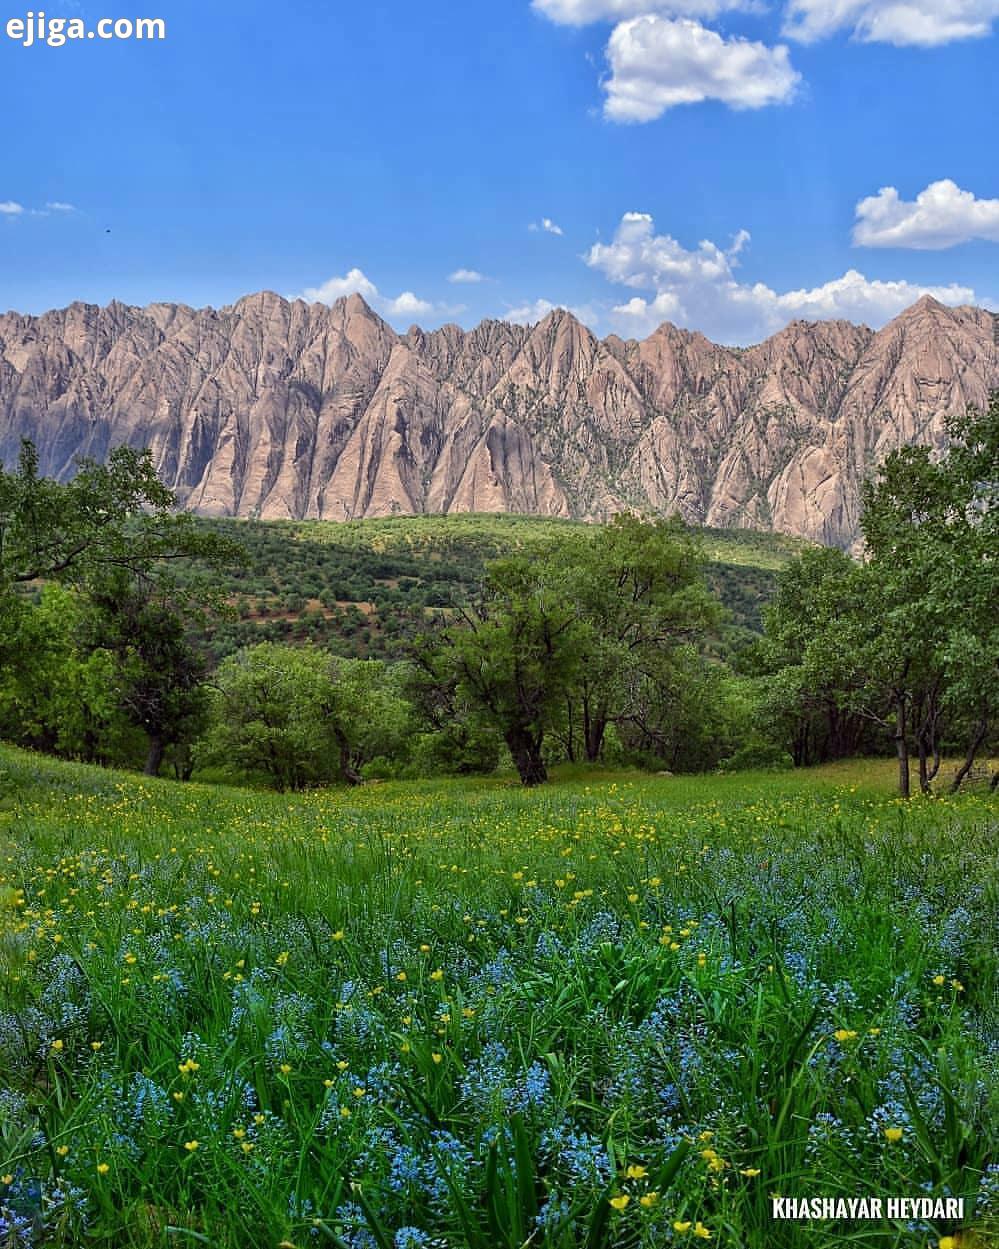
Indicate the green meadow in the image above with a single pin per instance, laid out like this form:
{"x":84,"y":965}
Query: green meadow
{"x":619,"y":1012}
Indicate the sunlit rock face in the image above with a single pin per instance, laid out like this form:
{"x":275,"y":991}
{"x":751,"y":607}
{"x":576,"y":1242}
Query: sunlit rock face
{"x":284,"y":409}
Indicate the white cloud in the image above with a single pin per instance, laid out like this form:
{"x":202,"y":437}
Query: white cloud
{"x":532,"y":313}
{"x":58,"y":206}
{"x":11,"y":209}
{"x":469,"y":276}
{"x":582,"y":12}
{"x":547,"y":225}
{"x":356,"y":282}
{"x":408,"y":305}
{"x":924,"y":23}
{"x":698,"y":288}
{"x":658,"y":64}
{"x":940,"y":216}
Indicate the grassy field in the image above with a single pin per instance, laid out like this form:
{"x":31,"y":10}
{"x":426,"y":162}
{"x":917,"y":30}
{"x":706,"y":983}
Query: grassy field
{"x":618,"y":1012}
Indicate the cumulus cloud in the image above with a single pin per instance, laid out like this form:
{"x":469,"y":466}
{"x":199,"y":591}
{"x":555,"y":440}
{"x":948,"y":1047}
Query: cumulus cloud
{"x":9,"y":208}
{"x":582,"y":12}
{"x":408,"y":305}
{"x":698,"y":288}
{"x":356,"y":282}
{"x":532,"y":313}
{"x":657,"y":64}
{"x":469,"y":276}
{"x":940,"y":216}
{"x":924,"y":23}
{"x":547,"y":225}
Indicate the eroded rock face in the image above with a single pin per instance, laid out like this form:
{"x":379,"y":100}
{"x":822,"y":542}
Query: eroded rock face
{"x":277,"y":409}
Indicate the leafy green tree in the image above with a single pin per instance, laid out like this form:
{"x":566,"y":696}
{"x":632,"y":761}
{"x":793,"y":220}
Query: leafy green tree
{"x":516,"y":655}
{"x":302,"y":716}
{"x":931,"y":525}
{"x":57,"y":695}
{"x":907,"y":639}
{"x":147,"y":625}
{"x":116,"y":515}
{"x":112,"y":532}
{"x":816,"y":628}
{"x":639,"y":588}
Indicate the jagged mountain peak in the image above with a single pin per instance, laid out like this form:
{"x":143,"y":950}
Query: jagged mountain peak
{"x":284,"y":408}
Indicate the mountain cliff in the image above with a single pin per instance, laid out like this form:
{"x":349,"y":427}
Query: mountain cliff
{"x":278,"y":409}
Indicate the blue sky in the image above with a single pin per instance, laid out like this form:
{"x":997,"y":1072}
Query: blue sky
{"x":725,"y":165}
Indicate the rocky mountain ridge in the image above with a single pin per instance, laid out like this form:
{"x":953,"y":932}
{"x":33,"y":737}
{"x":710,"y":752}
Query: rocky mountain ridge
{"x":283,"y":409}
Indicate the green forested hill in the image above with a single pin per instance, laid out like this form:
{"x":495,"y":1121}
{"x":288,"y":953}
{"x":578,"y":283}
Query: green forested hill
{"x":361,"y":586}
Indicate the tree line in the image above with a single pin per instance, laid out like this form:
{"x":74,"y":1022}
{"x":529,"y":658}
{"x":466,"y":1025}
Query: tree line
{"x":595,"y":644}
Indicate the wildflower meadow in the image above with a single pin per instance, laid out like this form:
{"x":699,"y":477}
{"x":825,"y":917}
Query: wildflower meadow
{"x":620,"y":1013}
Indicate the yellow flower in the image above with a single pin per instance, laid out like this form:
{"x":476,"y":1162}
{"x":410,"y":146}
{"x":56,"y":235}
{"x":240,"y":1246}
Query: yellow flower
{"x":751,"y":1172}
{"x":637,"y":1172}
{"x":437,"y":975}
{"x":401,"y":976}
{"x":62,"y":1150}
{"x":705,"y":1136}
{"x":239,"y":1133}
{"x":178,"y":1097}
{"x":681,"y":1227}
{"x":57,"y":1047}
{"x":285,"y":1069}
{"x":190,"y":1146}
{"x":845,"y":1034}
{"x":6,"y":1179}
{"x":438,"y":1058}
{"x":247,"y":1147}
{"x":948,"y":1242}
{"x":620,"y":1202}
{"x":957,"y":986}
{"x":342,"y":1065}
{"x":282,"y":958}
{"x":648,"y":1200}
{"x":939,"y":981}
{"x":96,"y":1045}
{"x":893,"y":1134}
{"x":339,"y":935}
{"x":701,"y":1231}
{"x":259,"y":1119}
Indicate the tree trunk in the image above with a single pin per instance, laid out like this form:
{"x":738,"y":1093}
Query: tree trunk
{"x":902,"y":747}
{"x":595,"y":730}
{"x":525,"y":747}
{"x":924,"y":766}
{"x":154,"y":757}
{"x":969,"y":758}
{"x":347,"y":770}
{"x":570,"y":741}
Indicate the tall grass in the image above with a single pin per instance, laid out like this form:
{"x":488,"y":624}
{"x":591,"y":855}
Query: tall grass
{"x":618,"y":1012}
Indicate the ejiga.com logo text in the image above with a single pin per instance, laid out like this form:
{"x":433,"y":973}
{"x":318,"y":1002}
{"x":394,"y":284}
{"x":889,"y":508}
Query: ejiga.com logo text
{"x":53,"y":32}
